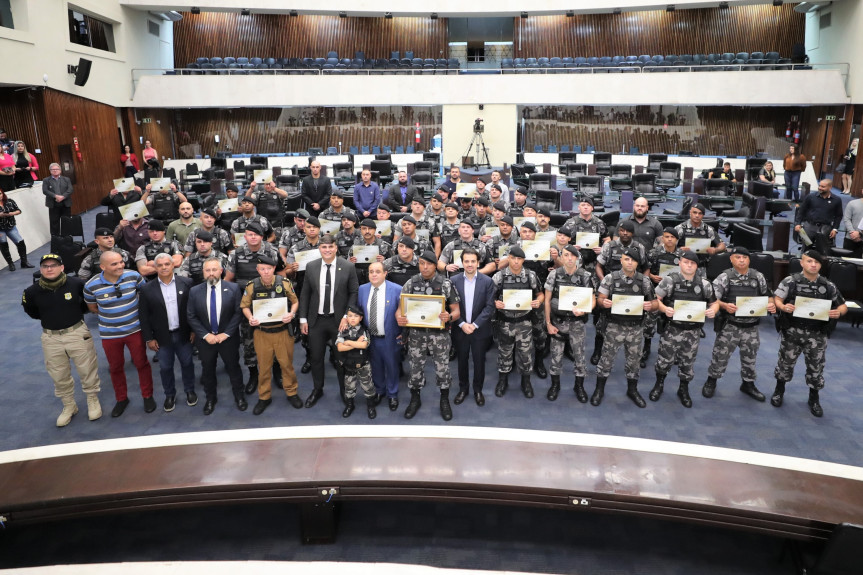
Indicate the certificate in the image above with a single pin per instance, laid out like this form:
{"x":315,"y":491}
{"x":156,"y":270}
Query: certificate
{"x":698,"y":245}
{"x":303,"y":258}
{"x":503,"y":251}
{"x":385,"y":227}
{"x":665,"y":269}
{"x":517,"y":299}
{"x":812,"y":308}
{"x":627,"y":304}
{"x":239,"y":239}
{"x":270,"y":310}
{"x":492,"y":231}
{"x":465,"y":190}
{"x":423,"y":310}
{"x":692,"y":311}
{"x":536,"y":251}
{"x":365,"y":254}
{"x":517,"y":222}
{"x":423,"y":235}
{"x":577,"y":297}
{"x":159,"y":184}
{"x":124,"y":184}
{"x":852,"y":304}
{"x":547,"y":237}
{"x":228,"y":205}
{"x":456,"y":258}
{"x":587,"y":240}
{"x":263,"y":176}
{"x":754,"y":306}
{"x":134,"y":211}
{"x":330,"y":227}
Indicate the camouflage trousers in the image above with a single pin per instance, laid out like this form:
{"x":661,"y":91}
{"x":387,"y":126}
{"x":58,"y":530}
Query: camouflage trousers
{"x":515,"y":342}
{"x":423,"y":343}
{"x":363,"y":376}
{"x":573,"y":330}
{"x":540,"y":336}
{"x":681,"y":345}
{"x":650,"y":319}
{"x":726,"y":342}
{"x":247,"y":335}
{"x":795,"y":341}
{"x":619,"y":335}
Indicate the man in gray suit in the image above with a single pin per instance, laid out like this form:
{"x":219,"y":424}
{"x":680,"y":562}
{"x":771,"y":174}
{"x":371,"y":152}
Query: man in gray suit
{"x":853,"y":223}
{"x":58,"y":197}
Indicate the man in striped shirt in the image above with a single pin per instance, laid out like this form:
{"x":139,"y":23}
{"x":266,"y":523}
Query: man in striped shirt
{"x":113,"y":295}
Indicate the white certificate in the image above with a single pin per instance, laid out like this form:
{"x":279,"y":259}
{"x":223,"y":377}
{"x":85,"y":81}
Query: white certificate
{"x":587,"y":240}
{"x":124,"y":184}
{"x":698,"y":245}
{"x":517,"y":299}
{"x":229,"y":205}
{"x":465,"y":190}
{"x":159,"y":184}
{"x":303,"y":258}
{"x":492,"y":231}
{"x":693,"y":311}
{"x":239,"y":239}
{"x":263,"y":176}
{"x":579,"y":297}
{"x":665,"y":269}
{"x":330,"y":227}
{"x":385,"y":227}
{"x":852,"y":304}
{"x":365,"y":254}
{"x":134,"y":211}
{"x":423,"y":312}
{"x":549,"y":237}
{"x":754,"y":306}
{"x":517,"y":222}
{"x":456,"y":258}
{"x":627,"y":304}
{"x":423,"y":235}
{"x":503,"y":250}
{"x":270,"y":310}
{"x":812,"y":308}
{"x":536,"y":251}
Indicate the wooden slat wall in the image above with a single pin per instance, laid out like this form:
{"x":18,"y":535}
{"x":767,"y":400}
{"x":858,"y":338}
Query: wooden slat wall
{"x":763,"y":28}
{"x":212,"y":34}
{"x":22,"y":116}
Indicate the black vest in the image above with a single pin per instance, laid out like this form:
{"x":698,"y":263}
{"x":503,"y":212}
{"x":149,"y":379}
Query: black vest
{"x":167,"y":208}
{"x":270,"y":206}
{"x":565,"y":280}
{"x":435,"y":287}
{"x":354,"y":358}
{"x":740,"y":287}
{"x":664,"y":257}
{"x":619,"y":286}
{"x":819,"y":289}
{"x":685,"y":290}
{"x":512,"y":281}
{"x":400,"y":272}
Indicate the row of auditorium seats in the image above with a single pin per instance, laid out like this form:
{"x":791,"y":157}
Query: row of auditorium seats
{"x":312,"y":65}
{"x":658,"y":63}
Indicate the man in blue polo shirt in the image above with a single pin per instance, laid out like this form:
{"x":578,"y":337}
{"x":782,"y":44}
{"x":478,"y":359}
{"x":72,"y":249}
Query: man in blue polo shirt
{"x":367,"y":195}
{"x":113,"y":295}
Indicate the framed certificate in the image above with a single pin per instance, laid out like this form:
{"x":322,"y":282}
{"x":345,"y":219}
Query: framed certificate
{"x":365,"y":254}
{"x":159,"y":184}
{"x":665,"y":269}
{"x":239,"y":239}
{"x":330,"y":227}
{"x":270,"y":310}
{"x":134,"y":211}
{"x":303,"y":258}
{"x":755,"y":306}
{"x":517,"y":299}
{"x":575,"y":297}
{"x":537,"y":251}
{"x":693,"y":311}
{"x":456,"y":257}
{"x":588,"y":240}
{"x":124,"y":184}
{"x":263,"y":176}
{"x":385,"y":227}
{"x":627,"y":304}
{"x":547,"y":237}
{"x":423,"y":235}
{"x":492,"y":231}
{"x":698,"y":245}
{"x":812,"y":308}
{"x":466,"y":190}
{"x":229,"y":205}
{"x":516,"y":222}
{"x":423,"y":310}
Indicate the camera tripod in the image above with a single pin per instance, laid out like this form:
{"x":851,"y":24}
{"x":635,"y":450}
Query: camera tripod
{"x":481,"y":150}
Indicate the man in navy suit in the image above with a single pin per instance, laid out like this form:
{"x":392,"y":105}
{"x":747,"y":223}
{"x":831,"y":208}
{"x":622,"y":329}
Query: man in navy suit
{"x":380,"y":299}
{"x":472,"y":335}
{"x":165,"y":327}
{"x":214,"y":315}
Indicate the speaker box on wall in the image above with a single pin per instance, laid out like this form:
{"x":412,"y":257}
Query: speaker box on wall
{"x":83,"y":73}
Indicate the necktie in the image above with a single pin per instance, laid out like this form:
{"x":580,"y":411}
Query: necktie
{"x":214,"y":318}
{"x":327,"y":291}
{"x":373,"y":313}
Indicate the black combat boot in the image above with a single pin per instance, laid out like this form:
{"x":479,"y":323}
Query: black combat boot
{"x":539,"y":366}
{"x":349,"y":407}
{"x":748,"y":387}
{"x":814,"y":405}
{"x":414,"y":404}
{"x":709,"y":387}
{"x":683,"y":393}
{"x":4,"y":249}
{"x":778,"y":393}
{"x":252,"y":384}
{"x":554,"y":390}
{"x":632,"y":393}
{"x":645,"y":353}
{"x":578,"y":388}
{"x":370,"y":408}
{"x":526,"y":387}
{"x":656,"y":392}
{"x":445,"y":408}
{"x":502,"y":384}
{"x":596,"y":398}
{"x":597,"y":349}
{"x":22,"y":253}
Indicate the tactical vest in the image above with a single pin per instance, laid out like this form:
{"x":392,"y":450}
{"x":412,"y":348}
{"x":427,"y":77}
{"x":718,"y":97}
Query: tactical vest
{"x":620,"y":286}
{"x":685,"y":290}
{"x":345,"y":242}
{"x":664,"y":257}
{"x":381,"y":245}
{"x":279,"y":289}
{"x":512,"y":281}
{"x":616,"y":250}
{"x":246,"y":268}
{"x":243,"y":223}
{"x":400,"y":272}
{"x":354,"y":358}
{"x":196,"y":267}
{"x":166,"y":206}
{"x":740,"y":287}
{"x":420,"y":286}
{"x":152,"y":249}
{"x":820,"y":289}
{"x":561,"y":278}
{"x":270,"y":206}
{"x":448,"y":233}
{"x":594,"y":226}
{"x":515,"y":211}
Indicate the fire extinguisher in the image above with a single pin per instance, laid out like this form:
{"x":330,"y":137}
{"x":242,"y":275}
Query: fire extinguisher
{"x":797,"y":136}
{"x":788,"y":131}
{"x":417,"y":133}
{"x":77,"y":148}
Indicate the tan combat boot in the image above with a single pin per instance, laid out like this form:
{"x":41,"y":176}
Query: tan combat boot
{"x":94,"y":408}
{"x":70,"y":408}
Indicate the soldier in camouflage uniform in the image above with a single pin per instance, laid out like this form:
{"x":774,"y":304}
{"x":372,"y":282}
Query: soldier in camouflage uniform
{"x":465,"y":209}
{"x":565,"y":324}
{"x":515,"y":327}
{"x":481,"y":216}
{"x":695,"y":227}
{"x":448,"y":227}
{"x":450,"y":264}
{"x":408,"y":228}
{"x":336,"y":210}
{"x":543,"y":221}
{"x":104,"y":238}
{"x":507,"y":239}
{"x":663,"y":258}
{"x":541,"y":268}
{"x":680,"y":339}
{"x":270,"y":202}
{"x":293,"y":234}
{"x":498,"y":211}
{"x":425,"y":342}
{"x":733,"y":331}
{"x":348,"y":235}
{"x":623,"y":330}
{"x":802,"y":335}
{"x":405,"y":264}
{"x":435,"y":209}
{"x":146,"y":255}
{"x":516,"y":209}
{"x":311,"y":241}
{"x":222,"y":241}
{"x":385,"y":250}
{"x":383,"y":215}
{"x":193,"y":266}
{"x":248,"y":216}
{"x":353,"y":346}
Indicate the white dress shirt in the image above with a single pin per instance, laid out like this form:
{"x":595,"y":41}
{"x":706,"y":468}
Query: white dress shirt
{"x":323,"y":284}
{"x":469,"y":289}
{"x":382,"y":300}
{"x":169,"y":294}
{"x":218,"y":287}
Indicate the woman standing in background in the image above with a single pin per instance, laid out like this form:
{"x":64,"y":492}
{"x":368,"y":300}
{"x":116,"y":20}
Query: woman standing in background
{"x":794,"y":164}
{"x":26,"y":166}
{"x":129,"y":161}
{"x":8,"y":210}
{"x":150,"y":155}
{"x":7,"y":171}
{"x":850,"y":158}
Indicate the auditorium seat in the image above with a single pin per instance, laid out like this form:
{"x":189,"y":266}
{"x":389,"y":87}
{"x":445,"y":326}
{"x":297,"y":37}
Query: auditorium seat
{"x":424,"y":181}
{"x":591,"y":185}
{"x":548,"y":199}
{"x":620,"y":177}
{"x":644,"y":185}
{"x":539,"y":181}
{"x":748,"y":207}
{"x":602,"y":161}
{"x":202,"y":60}
{"x":670,"y":58}
{"x":410,"y":150}
{"x":726,"y":56}
{"x":384,"y":168}
{"x":653,"y":162}
{"x":576,"y":149}
{"x":644,"y":58}
{"x":537,"y":149}
{"x":668,"y":176}
{"x":564,"y":148}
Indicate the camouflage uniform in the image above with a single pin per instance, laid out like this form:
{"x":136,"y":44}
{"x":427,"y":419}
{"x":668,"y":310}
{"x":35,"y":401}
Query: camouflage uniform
{"x":494,"y":244}
{"x":332,"y":215}
{"x":655,"y":258}
{"x":356,"y":363}
{"x":540,"y":335}
{"x":447,"y":257}
{"x":680,"y":340}
{"x":423,"y":342}
{"x":687,"y":230}
{"x":448,"y":232}
{"x":595,"y":226}
{"x":290,"y":236}
{"x":420,"y":244}
{"x":221,"y":240}
{"x":90,"y":265}
{"x":569,"y":325}
{"x":241,"y":223}
{"x":479,"y":223}
{"x":345,"y":241}
{"x":150,"y":250}
{"x":399,"y":271}
{"x":515,"y":328}
{"x":269,"y":204}
{"x":384,"y":249}
{"x":193,"y":266}
{"x":623,"y":331}
{"x":609,"y":257}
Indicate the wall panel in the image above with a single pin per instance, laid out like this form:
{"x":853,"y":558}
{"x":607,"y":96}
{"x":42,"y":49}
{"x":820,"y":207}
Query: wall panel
{"x":21,"y":115}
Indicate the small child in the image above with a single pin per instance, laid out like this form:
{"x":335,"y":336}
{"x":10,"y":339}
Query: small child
{"x":353,"y":344}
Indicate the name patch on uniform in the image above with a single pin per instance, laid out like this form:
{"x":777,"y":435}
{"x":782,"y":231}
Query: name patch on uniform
{"x":67,"y":296}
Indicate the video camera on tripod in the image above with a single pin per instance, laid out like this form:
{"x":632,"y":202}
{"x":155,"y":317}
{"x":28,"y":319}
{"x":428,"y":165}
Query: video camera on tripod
{"x":478,"y":128}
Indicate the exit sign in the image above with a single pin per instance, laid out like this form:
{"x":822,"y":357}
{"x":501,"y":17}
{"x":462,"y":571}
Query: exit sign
{"x":828,"y":118}
{"x":148,"y":120}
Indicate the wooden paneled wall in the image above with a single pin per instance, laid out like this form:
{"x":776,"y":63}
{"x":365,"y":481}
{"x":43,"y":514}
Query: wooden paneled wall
{"x":280,"y":36}
{"x":23,"y":118}
{"x":763,"y":28}
{"x":157,"y":130}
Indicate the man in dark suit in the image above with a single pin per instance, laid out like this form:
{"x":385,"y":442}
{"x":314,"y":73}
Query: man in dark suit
{"x":165,"y":327}
{"x":472,"y":335}
{"x":329,"y":286}
{"x":379,"y":316}
{"x":316,"y":190}
{"x":58,"y":197}
{"x":214,"y":315}
{"x":401,"y":194}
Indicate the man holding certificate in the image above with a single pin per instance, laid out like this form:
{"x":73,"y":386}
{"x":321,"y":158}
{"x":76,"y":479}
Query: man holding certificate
{"x":744,"y":298}
{"x":540,"y":260}
{"x":627,"y":294}
{"x":369,"y":249}
{"x":809,"y":303}
{"x":661,"y":261}
{"x":699,"y":237}
{"x":450,"y":260}
{"x":682,"y":296}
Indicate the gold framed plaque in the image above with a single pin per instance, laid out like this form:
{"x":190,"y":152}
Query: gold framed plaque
{"x":422,"y":310}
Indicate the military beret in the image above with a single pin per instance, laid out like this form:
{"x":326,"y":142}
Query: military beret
{"x":565,"y":231}
{"x":232,"y":188}
{"x":249,"y":199}
{"x":354,"y":308}
{"x":529,"y":225}
{"x":484,"y":202}
{"x":303,"y":214}
{"x":627,"y":225}
{"x":429,"y":256}
{"x":530,"y":205}
{"x":692,"y":256}
{"x":209,"y":211}
{"x":157,"y":225}
{"x":521,"y":190}
{"x":632,"y":253}
{"x":204,"y":236}
{"x":337,"y":193}
{"x":256,"y":228}
{"x":452,"y":205}
{"x":368,"y":223}
{"x":350,"y":216}
{"x":585,"y":199}
{"x":544,"y":211}
{"x":265,"y":259}
{"x":672,"y":231}
{"x":101,"y":232}
{"x":437,"y":197}
{"x":700,"y":207}
{"x":500,"y":206}
{"x":384,"y":207}
{"x":495,"y":187}
{"x":572,"y":249}
{"x":409,"y":219}
{"x":815,"y":255}
{"x":313,"y":221}
{"x":739,"y":250}
{"x":408,"y":243}
{"x":516,"y":252}
{"x":507,"y":219}
{"x":466,"y":199}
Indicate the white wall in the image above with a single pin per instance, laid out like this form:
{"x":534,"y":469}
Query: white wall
{"x":500,"y":134}
{"x":842,"y":41}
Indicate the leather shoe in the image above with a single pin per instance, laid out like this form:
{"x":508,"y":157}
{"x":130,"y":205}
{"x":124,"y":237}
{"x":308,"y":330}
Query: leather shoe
{"x":242,"y":404}
{"x":261,"y":406}
{"x":295,"y":401}
{"x":251,"y":386}
{"x":459,"y":397}
{"x":307,"y":367}
{"x":119,"y":408}
{"x":748,"y":387}
{"x":209,"y":406}
{"x":394,"y":403}
{"x":149,"y":404}
{"x":370,"y":409}
{"x":314,"y":397}
{"x":377,"y":398}
{"x":815,"y":408}
{"x":480,"y":399}
{"x":191,"y":399}
{"x":170,"y":401}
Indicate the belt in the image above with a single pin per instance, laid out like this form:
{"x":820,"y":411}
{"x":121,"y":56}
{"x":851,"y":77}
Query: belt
{"x":63,"y":331}
{"x":379,"y":336}
{"x":743,"y":324}
{"x":326,"y":315}
{"x":272,"y":329}
{"x":526,"y":317}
